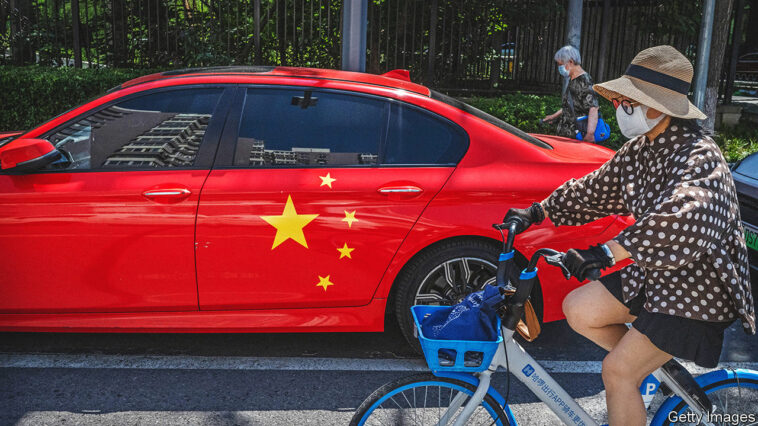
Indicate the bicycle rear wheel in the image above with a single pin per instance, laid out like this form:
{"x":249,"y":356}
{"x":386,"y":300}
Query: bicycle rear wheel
{"x":734,"y":395}
{"x":424,"y":399}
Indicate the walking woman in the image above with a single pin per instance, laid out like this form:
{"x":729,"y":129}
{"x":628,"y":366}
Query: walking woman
{"x":578,"y":98}
{"x":689,"y":280}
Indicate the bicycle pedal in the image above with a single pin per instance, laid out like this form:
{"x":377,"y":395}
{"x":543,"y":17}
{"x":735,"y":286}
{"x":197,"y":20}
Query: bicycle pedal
{"x":687,"y":382}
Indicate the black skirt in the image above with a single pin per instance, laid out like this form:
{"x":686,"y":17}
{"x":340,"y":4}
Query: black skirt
{"x":685,"y":338}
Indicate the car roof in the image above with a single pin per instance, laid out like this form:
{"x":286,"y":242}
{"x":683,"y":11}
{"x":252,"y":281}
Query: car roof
{"x":396,"y":79}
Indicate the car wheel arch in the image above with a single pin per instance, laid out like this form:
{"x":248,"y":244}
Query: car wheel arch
{"x":496,"y":245}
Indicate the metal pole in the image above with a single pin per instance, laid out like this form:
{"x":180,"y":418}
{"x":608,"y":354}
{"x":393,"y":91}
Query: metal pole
{"x":736,"y":39}
{"x":703,"y":53}
{"x":603,"y":53}
{"x":574,"y":23}
{"x":75,"y":28}
{"x":432,"y":43}
{"x":354,"y":27}
{"x":258,"y":50}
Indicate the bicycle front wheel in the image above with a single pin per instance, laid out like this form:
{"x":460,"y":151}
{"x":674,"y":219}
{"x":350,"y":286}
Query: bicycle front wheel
{"x":734,"y":394}
{"x":425,"y":399}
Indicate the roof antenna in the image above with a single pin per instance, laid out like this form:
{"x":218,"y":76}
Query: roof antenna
{"x":304,"y":101}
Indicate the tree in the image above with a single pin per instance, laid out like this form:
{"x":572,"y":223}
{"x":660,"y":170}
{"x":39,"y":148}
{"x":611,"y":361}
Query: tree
{"x":751,"y":39}
{"x":21,"y":22}
{"x":721,"y":23}
{"x":118,"y":34}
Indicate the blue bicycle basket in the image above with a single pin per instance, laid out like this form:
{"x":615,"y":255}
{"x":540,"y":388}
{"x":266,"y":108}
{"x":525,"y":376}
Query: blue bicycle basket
{"x":463,"y":337}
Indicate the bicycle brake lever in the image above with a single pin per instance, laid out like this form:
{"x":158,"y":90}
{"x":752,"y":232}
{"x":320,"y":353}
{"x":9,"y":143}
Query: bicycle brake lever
{"x":557,"y":260}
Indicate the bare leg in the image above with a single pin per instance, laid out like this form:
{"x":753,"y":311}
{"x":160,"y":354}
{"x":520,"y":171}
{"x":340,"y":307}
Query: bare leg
{"x":632,"y":359}
{"x":593,"y":312}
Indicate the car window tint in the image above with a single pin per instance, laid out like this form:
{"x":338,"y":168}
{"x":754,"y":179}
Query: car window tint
{"x":159,"y":130}
{"x":309,"y":128}
{"x":418,"y":137}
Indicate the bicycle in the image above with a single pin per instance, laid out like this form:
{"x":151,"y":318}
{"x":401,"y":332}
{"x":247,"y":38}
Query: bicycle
{"x":458,"y":391}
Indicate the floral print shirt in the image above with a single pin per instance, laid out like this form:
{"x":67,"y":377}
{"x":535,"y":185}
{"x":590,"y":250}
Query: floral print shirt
{"x":687,"y":243}
{"x":580,"y":90}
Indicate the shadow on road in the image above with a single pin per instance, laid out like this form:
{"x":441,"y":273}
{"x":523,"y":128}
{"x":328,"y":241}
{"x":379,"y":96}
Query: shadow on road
{"x":557,"y":342}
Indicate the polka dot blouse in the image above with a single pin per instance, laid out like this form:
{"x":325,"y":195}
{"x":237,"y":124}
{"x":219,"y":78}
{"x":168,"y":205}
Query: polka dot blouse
{"x":687,"y":243}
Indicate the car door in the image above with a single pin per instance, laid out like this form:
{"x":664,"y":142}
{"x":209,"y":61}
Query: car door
{"x":301,"y":209}
{"x":111,"y":228}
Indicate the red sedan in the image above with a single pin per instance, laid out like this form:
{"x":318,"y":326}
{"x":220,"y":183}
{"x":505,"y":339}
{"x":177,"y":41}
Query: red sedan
{"x":261,"y":199}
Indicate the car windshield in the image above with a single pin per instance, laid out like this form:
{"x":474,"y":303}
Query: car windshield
{"x":5,"y":140}
{"x":490,"y":119}
{"x":100,"y":95}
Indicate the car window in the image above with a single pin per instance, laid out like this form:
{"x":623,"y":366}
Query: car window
{"x":301,"y":128}
{"x":158,"y":130}
{"x":417,"y":137}
{"x":455,"y":103}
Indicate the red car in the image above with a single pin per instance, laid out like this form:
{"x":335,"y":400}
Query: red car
{"x":261,"y":199}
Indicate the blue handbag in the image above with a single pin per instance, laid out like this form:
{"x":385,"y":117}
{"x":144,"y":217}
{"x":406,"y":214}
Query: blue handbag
{"x":602,"y":130}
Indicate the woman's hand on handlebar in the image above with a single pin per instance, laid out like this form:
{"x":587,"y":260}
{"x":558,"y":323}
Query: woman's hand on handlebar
{"x":586,"y":264}
{"x":525,"y":218}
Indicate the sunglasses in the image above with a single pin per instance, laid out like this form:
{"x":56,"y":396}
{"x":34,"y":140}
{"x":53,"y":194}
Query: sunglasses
{"x":626,"y":104}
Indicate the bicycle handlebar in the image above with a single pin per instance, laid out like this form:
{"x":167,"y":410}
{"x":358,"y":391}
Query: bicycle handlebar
{"x":503,"y":266}
{"x":515,"y":303}
{"x":552,"y":257}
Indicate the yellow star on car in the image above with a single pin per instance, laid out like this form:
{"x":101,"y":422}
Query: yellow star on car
{"x":345,"y":251}
{"x":350,"y":218}
{"x":289,"y":224}
{"x":327,"y":180}
{"x":324,"y":282}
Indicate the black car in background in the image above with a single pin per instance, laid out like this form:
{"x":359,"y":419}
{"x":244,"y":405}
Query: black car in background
{"x":747,"y":67}
{"x":745,"y":175}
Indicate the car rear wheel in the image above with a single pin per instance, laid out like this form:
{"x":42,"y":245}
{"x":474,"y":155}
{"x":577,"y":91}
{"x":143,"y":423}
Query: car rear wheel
{"x":444,"y":275}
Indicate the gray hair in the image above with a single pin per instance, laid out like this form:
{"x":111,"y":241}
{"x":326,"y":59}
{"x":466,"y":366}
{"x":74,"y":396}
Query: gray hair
{"x":566,"y":53}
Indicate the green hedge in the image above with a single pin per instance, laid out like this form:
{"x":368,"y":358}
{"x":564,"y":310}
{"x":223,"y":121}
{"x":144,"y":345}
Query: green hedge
{"x":33,"y":94}
{"x":524,"y":111}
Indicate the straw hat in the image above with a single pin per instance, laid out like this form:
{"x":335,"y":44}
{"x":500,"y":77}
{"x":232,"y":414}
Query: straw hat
{"x":658,"y":77}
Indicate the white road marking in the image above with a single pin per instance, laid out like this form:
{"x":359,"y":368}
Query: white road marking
{"x":169,"y":362}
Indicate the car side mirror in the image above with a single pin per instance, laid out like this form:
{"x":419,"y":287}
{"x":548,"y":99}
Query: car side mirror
{"x":27,"y":155}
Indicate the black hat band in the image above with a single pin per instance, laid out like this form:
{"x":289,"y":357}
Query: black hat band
{"x":658,"y":78}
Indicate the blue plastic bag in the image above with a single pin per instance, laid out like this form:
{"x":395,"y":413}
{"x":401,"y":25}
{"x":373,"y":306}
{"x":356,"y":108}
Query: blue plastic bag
{"x":474,"y":318}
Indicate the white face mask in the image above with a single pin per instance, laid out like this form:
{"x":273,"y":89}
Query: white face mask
{"x":637,"y":123}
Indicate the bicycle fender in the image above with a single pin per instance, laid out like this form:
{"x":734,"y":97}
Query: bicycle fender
{"x":474,"y":381}
{"x":703,"y":381}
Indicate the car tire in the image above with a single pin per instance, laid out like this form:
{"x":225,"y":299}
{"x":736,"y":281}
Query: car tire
{"x":428,"y":274}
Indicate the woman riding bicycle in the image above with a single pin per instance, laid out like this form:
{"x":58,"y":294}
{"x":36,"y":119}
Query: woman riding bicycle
{"x":689,"y":280}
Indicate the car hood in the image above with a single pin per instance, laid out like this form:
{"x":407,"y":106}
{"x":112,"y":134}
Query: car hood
{"x":746,"y":177}
{"x":748,"y":167}
{"x":573,"y":151}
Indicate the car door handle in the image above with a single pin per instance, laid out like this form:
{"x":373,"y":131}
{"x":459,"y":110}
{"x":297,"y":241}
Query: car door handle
{"x":167,"y":194}
{"x":400,"y":189}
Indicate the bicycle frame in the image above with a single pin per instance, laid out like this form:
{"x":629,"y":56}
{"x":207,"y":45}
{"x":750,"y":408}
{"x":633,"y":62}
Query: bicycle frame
{"x":512,"y":356}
